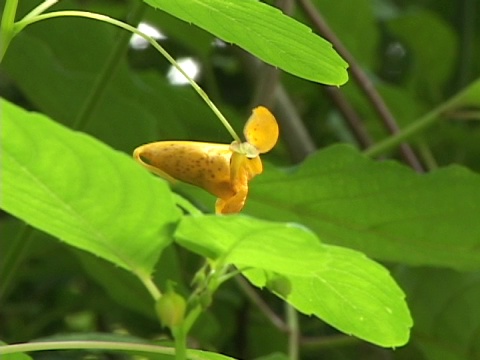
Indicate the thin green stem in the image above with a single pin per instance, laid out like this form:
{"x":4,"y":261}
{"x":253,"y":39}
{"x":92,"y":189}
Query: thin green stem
{"x":408,"y":132}
{"x":23,"y":23}
{"x":427,"y":156}
{"x":192,"y":316}
{"x":7,"y":26}
{"x":425,"y":121}
{"x":180,"y":337}
{"x":293,"y":333}
{"x":151,"y":287}
{"x":70,"y":345}
{"x":40,"y":9}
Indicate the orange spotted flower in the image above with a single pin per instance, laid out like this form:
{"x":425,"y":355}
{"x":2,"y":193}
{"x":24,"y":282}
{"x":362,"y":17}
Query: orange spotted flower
{"x":221,"y":169}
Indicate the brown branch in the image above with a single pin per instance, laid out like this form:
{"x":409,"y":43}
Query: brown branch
{"x":362,"y":80}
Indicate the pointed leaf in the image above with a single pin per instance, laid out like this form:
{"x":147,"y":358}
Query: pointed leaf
{"x":265,"y":32}
{"x":73,"y":187}
{"x":341,"y":286}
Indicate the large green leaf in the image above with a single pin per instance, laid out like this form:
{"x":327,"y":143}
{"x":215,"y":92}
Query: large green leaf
{"x":72,"y":186}
{"x":339,"y":285}
{"x":265,"y":32}
{"x":383,"y":209}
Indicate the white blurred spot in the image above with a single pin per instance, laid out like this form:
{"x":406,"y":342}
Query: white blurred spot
{"x":396,"y":49}
{"x":189,"y":65}
{"x":139,"y":43}
{"x":218,"y":43}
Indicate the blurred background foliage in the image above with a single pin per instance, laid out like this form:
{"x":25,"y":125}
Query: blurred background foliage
{"x":417,"y":53}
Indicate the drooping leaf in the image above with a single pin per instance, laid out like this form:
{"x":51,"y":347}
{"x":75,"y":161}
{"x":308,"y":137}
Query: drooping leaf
{"x":73,"y":187}
{"x":341,"y":286}
{"x":383,"y":209}
{"x":265,"y":32}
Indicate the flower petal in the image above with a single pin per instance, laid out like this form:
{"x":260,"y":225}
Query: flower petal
{"x":242,"y":170}
{"x":261,"y":129}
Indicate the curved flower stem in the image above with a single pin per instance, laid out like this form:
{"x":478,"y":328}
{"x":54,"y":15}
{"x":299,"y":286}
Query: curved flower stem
{"x":25,"y":22}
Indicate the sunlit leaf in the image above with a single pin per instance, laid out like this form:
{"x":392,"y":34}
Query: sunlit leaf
{"x":341,"y":286}
{"x":265,"y":32}
{"x":73,"y":187}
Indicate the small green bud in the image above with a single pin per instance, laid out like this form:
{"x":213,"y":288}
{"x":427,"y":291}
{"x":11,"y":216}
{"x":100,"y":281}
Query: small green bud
{"x":171,"y":308}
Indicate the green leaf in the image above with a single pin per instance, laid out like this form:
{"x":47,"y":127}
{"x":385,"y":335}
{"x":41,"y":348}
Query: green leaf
{"x":266,"y":33}
{"x":73,"y":187}
{"x":383,"y":209}
{"x":341,"y":286}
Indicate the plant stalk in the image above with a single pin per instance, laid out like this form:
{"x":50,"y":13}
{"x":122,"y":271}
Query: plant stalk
{"x":7,"y":26}
{"x":70,"y":345}
{"x":294,"y":332}
{"x":180,"y":337}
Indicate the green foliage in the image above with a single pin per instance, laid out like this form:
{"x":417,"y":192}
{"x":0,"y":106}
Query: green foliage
{"x":338,"y":285}
{"x":83,"y":192}
{"x":278,"y":39}
{"x":311,"y":228}
{"x":350,"y":200}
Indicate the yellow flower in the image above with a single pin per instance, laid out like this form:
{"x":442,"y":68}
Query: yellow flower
{"x":221,"y":169}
